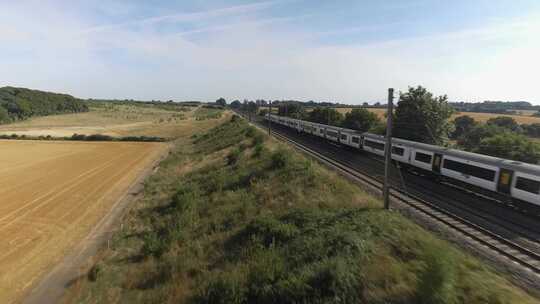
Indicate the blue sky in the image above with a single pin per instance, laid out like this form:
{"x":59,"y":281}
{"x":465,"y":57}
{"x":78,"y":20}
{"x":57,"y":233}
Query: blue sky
{"x":347,"y":51}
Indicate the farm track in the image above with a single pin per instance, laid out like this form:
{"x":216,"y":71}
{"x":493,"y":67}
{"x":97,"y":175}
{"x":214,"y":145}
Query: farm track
{"x":506,"y":237}
{"x":50,"y":202}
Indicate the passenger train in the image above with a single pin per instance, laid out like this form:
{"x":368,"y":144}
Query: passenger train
{"x":511,"y":180}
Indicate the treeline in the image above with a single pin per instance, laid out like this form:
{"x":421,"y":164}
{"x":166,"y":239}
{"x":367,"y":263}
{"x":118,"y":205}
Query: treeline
{"x":493,"y":106}
{"x":83,"y":137}
{"x":20,"y":103}
{"x":420,"y":116}
{"x":500,"y":136}
{"x":358,"y":119}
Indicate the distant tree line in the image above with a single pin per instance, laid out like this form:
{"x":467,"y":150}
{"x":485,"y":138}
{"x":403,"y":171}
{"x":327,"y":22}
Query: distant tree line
{"x":20,"y":103}
{"x":500,"y":107}
{"x":420,"y":116}
{"x":358,"y":119}
{"x":83,"y":137}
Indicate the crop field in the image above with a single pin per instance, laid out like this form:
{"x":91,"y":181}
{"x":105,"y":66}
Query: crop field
{"x":52,"y":193}
{"x":116,"y":120}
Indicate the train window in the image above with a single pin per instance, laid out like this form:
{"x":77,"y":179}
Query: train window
{"x":471,"y":170}
{"x":528,"y":185}
{"x":355,"y":140}
{"x":331,"y":133}
{"x":374,"y":145}
{"x":398,"y":151}
{"x":343,"y":137}
{"x":321,"y":131}
{"x":423,"y":157}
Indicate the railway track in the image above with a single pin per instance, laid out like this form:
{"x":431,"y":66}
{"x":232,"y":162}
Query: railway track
{"x":503,"y":246}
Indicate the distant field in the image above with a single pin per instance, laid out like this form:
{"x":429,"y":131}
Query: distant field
{"x":116,"y":120}
{"x":52,"y":194}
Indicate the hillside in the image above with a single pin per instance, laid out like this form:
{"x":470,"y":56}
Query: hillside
{"x":21,"y":103}
{"x":232,"y":216}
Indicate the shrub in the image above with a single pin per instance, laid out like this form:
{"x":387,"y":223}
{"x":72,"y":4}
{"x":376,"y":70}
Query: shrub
{"x":280,"y":159}
{"x":93,"y":273}
{"x":436,"y":282}
{"x":233,"y":156}
{"x":259,"y":150}
{"x":258,"y":139}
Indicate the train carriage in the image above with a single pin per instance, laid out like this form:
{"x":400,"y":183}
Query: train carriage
{"x":516,"y":180}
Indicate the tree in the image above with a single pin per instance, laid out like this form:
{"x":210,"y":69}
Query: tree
{"x":471,"y":140}
{"x":365,"y":104}
{"x":505,"y":122}
{"x":292,"y":109}
{"x":463,"y":125}
{"x":361,"y":119}
{"x":222,"y":102}
{"x":327,"y":116}
{"x":422,"y":117}
{"x":4,"y":115}
{"x":532,"y":130}
{"x":236,"y":104}
{"x":510,"y":145}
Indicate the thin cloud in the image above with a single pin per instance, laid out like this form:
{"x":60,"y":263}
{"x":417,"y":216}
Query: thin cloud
{"x":188,"y":17}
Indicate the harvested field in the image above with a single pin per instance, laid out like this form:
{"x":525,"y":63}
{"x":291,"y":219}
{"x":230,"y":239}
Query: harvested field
{"x":116,"y":120}
{"x":52,"y":194}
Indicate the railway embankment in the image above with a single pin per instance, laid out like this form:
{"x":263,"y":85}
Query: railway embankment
{"x":232,"y":216}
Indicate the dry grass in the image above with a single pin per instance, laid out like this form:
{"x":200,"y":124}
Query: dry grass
{"x":113,"y":120}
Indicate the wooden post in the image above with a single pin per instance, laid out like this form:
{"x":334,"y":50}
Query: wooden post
{"x":388,"y":149}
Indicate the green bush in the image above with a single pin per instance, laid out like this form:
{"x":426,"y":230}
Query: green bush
{"x":280,"y":159}
{"x":436,"y":282}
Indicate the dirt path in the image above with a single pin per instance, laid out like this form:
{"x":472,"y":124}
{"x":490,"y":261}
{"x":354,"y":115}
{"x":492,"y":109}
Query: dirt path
{"x":52,"y":286}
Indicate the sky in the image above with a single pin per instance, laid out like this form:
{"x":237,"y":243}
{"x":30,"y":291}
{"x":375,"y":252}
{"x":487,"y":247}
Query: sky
{"x":337,"y":51}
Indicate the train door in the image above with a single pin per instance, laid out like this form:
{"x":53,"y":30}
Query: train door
{"x":505,"y":181}
{"x":437,"y":160}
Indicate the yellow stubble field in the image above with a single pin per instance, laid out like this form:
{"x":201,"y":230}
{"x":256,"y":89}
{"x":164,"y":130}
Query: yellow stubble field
{"x":52,"y":193}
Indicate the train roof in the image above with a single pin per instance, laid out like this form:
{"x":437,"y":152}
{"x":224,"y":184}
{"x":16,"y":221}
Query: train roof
{"x":481,"y":158}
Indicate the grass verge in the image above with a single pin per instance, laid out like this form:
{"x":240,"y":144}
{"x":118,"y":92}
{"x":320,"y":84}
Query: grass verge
{"x":232,"y":217}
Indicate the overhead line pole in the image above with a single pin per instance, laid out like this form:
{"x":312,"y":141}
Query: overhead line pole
{"x":270,"y":121}
{"x":388,"y":149}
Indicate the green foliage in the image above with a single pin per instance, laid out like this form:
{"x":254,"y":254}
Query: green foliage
{"x":438,"y":278}
{"x":463,"y":125}
{"x":532,"y":130}
{"x":222,"y":102}
{"x":497,"y":139}
{"x":361,"y":119}
{"x":280,"y":159}
{"x":236,"y":104}
{"x":504,"y":122}
{"x":233,"y":157}
{"x":470,"y":140}
{"x":327,"y":116}
{"x":21,"y":103}
{"x":4,"y":116}
{"x":510,"y":145}
{"x":292,"y":109}
{"x":420,"y":116}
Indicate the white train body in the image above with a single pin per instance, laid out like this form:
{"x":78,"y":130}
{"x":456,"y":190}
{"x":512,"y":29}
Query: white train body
{"x":511,"y":178}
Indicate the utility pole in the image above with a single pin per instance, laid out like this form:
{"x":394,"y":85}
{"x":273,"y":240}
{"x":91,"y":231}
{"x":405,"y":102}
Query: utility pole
{"x":270,"y":121}
{"x":388,"y":149}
